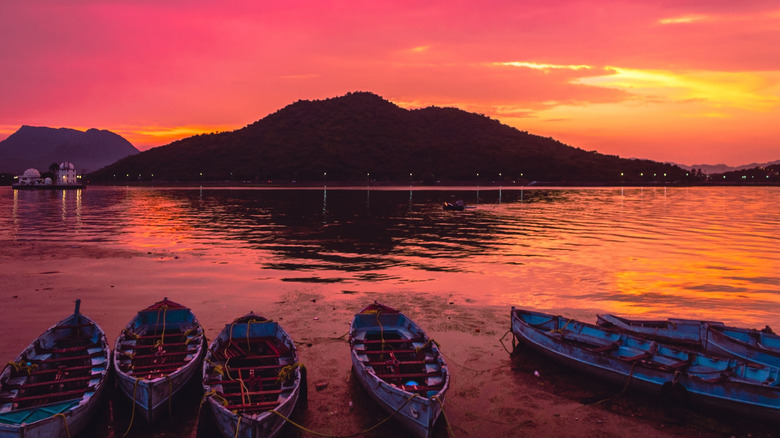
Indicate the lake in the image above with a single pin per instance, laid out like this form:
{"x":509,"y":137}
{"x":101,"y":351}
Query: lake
{"x":699,"y":252}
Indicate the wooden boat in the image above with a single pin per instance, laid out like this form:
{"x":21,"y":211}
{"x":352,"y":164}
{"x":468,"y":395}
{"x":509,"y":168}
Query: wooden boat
{"x":53,"y":388}
{"x":155,"y":356}
{"x":399,"y":366}
{"x":760,"y":346}
{"x":457,"y":206}
{"x":250,"y":370}
{"x":725,"y":383}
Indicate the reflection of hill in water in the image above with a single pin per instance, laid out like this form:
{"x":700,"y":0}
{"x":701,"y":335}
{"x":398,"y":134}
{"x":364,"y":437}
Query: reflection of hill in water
{"x":356,"y":230}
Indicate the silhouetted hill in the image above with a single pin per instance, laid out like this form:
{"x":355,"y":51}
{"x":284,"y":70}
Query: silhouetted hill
{"x":38,"y":147}
{"x":360,"y":133}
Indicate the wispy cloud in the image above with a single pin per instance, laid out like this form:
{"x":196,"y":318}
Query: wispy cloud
{"x":540,"y":66}
{"x":743,"y":90}
{"x":682,"y":20}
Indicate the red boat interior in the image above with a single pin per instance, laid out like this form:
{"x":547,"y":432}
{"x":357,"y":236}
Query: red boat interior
{"x":396,"y":361}
{"x":250,"y":373}
{"x":156,"y":353}
{"x":63,"y":375}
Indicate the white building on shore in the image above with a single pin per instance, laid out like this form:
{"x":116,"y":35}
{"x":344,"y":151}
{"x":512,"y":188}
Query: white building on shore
{"x":65,"y":176}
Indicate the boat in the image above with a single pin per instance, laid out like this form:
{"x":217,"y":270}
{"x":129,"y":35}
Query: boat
{"x":729,"y":384}
{"x":456,"y":206}
{"x":760,"y":346}
{"x":55,"y":386}
{"x":156,"y":355}
{"x":251,"y":373}
{"x":399,"y":367}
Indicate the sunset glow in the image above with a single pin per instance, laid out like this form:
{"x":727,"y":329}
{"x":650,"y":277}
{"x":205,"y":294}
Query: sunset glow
{"x":688,"y":82}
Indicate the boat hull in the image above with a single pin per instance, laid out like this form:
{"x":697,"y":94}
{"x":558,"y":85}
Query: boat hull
{"x":152,"y":387}
{"x":709,"y":336}
{"x":722,"y":383}
{"x":60,"y":416}
{"x":250,"y":369}
{"x":417,"y":406}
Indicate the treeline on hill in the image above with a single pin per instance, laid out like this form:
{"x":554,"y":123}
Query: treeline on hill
{"x":360,"y":137}
{"x":757,"y":175}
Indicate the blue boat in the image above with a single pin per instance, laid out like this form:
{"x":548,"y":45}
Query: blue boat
{"x":723,"y":383}
{"x":399,"y":366}
{"x":759,"y":346}
{"x":156,"y":355}
{"x":251,"y":373}
{"x":54,"y":387}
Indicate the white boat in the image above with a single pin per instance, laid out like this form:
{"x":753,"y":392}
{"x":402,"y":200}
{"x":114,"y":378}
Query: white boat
{"x":55,"y":386}
{"x":399,"y":366}
{"x":250,"y":370}
{"x":155,"y":356}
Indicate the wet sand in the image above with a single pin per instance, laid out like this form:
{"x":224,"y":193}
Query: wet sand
{"x":491,"y":394}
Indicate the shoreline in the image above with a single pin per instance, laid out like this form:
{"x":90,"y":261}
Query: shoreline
{"x":491,"y":393}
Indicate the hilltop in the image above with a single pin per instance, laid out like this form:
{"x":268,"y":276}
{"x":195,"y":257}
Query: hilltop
{"x":39,"y":147}
{"x":362,"y":136}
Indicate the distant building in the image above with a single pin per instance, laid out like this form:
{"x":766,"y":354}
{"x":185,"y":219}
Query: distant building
{"x":30,"y":177}
{"x":65,"y":176}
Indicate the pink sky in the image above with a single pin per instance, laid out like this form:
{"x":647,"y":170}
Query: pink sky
{"x":669,"y":80}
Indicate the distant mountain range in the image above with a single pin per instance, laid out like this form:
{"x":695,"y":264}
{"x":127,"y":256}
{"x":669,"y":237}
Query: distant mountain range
{"x":361,"y":137}
{"x":710,"y":169}
{"x":38,"y":147}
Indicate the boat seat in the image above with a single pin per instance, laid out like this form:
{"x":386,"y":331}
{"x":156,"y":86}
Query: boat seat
{"x":56,"y":370}
{"x":152,"y":346}
{"x":251,"y":393}
{"x":165,"y":354}
{"x":262,"y":406}
{"x":73,"y":349}
{"x":65,"y":395}
{"x":65,"y":359}
{"x":23,"y":386}
{"x":257,"y":379}
{"x":388,"y":341}
{"x":400,"y":362}
{"x":385,"y":351}
{"x":135,"y":369}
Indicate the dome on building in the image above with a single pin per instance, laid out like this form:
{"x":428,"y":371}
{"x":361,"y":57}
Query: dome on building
{"x":65,"y":165}
{"x":31,"y":173}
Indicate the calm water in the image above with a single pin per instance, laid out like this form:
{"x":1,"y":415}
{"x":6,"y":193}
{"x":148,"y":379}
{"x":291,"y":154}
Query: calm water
{"x":690,"y":252}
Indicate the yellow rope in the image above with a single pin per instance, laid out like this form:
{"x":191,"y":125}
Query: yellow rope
{"x":238,"y":426}
{"x":286,"y":373}
{"x":132,"y":415}
{"x":164,"y":309}
{"x":362,"y":432}
{"x":214,"y":394}
{"x":22,"y":366}
{"x":560,"y":330}
{"x":426,"y":345}
{"x":381,"y":328}
{"x":64,"y":420}
{"x":450,"y":433}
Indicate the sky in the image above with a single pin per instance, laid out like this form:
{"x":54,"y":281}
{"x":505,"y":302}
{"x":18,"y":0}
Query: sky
{"x":684,"y":81}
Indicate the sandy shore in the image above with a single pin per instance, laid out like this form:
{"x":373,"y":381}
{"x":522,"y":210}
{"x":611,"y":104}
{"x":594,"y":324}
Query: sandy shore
{"x":491,"y":394}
